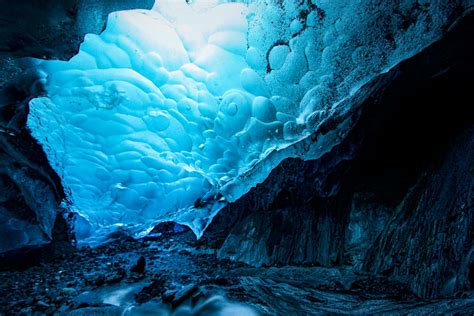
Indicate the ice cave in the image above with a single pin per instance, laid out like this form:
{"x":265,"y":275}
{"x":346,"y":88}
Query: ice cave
{"x":172,"y":112}
{"x":312,"y":134}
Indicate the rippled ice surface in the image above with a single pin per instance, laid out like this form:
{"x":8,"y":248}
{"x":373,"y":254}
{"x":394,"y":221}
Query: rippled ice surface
{"x":163,"y":115}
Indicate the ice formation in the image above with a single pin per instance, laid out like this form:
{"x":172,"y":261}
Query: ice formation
{"x":165,"y":114}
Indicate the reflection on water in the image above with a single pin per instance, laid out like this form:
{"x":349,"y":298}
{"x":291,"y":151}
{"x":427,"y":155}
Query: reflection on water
{"x":215,"y":305}
{"x":117,"y":295}
{"x":123,"y":296}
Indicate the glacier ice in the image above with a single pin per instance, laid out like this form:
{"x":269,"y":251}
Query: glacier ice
{"x":172,"y":112}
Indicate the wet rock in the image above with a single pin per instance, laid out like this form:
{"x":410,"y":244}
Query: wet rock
{"x":166,"y":229}
{"x":109,"y":277}
{"x":140,"y":266}
{"x":69,"y":291}
{"x":156,"y":289}
{"x":42,"y":304}
{"x":26,"y":310}
{"x":184,"y":294}
{"x":96,"y":310}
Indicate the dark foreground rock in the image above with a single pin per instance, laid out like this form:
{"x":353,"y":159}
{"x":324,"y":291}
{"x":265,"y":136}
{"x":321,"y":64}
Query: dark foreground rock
{"x":183,"y":275}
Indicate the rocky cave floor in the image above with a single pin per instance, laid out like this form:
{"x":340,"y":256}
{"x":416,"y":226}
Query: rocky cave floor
{"x":177,"y":275}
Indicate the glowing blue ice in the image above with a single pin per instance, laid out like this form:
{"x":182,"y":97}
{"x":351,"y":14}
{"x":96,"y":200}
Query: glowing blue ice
{"x":163,"y":113}
{"x":155,"y":114}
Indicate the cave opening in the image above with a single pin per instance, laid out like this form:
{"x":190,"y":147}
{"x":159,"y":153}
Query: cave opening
{"x":139,"y":125}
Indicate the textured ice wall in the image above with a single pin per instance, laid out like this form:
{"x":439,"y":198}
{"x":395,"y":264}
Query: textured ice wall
{"x":162,"y":115}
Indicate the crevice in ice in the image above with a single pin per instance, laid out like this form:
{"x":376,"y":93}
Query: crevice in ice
{"x":172,"y":112}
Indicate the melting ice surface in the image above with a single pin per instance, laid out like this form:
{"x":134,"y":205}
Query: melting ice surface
{"x":156,"y":116}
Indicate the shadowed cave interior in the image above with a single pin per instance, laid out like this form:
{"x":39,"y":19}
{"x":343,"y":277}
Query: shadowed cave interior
{"x":301,"y":158}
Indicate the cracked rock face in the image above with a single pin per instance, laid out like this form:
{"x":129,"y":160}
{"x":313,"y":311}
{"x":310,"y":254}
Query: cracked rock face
{"x":429,"y":238}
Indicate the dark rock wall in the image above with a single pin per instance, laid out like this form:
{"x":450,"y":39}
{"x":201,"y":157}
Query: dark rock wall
{"x":394,"y":198}
{"x":30,"y":191}
{"x":429,"y":238}
{"x":367,"y":218}
{"x":420,"y":167}
{"x":288,"y":223}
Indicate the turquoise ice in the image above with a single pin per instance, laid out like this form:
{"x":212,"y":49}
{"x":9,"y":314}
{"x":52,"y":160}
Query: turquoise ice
{"x":166,"y":114}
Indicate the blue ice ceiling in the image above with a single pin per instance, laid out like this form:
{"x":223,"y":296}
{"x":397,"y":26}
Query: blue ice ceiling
{"x":172,"y":112}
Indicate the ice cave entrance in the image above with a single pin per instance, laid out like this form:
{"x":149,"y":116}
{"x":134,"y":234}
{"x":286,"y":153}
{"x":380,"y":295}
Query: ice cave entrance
{"x":153,"y":117}
{"x":173,"y":112}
